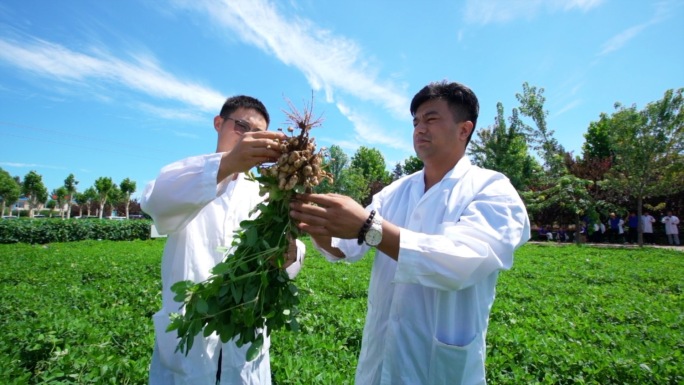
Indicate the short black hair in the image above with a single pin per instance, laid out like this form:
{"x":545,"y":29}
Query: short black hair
{"x":234,"y":103}
{"x":461,"y":100}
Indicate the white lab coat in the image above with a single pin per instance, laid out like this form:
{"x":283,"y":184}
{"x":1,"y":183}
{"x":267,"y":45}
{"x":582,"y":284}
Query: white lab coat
{"x":428,"y":313}
{"x":199,"y":216}
{"x":647,"y":223}
{"x":671,"y":223}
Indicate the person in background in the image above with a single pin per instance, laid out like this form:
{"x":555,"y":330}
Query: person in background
{"x":647,"y":222}
{"x":441,"y":235}
{"x":562,"y":235}
{"x":615,"y":228}
{"x":595,"y":232}
{"x":632,"y":227}
{"x":199,"y":202}
{"x":542,"y":233}
{"x":549,"y":233}
{"x":612,"y":227}
{"x":671,"y":229}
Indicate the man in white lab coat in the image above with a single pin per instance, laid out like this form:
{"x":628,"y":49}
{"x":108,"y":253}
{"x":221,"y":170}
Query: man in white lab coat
{"x":199,"y":202}
{"x":647,"y":222}
{"x":671,"y":230}
{"x":442,"y":235}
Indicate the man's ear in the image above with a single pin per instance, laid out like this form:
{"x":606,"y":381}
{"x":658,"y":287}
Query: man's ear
{"x":465,"y":130}
{"x":218,"y":120}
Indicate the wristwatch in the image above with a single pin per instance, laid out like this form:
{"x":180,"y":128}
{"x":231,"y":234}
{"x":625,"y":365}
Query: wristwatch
{"x":373,"y":236}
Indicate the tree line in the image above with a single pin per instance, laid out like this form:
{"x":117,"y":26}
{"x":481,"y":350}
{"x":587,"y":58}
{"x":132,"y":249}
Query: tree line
{"x":104,"y":191}
{"x":631,"y":159}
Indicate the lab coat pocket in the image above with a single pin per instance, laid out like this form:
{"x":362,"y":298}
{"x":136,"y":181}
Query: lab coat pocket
{"x":167,"y":342}
{"x":200,"y":360}
{"x":457,"y":365}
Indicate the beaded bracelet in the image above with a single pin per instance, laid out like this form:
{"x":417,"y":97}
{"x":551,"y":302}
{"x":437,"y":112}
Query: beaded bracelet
{"x":365,"y":227}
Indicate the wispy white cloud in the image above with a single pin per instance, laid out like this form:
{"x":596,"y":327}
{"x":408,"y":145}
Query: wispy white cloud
{"x":618,"y":41}
{"x":569,"y":106}
{"x":185,"y":135}
{"x":31,"y":165}
{"x":367,"y":132}
{"x":349,"y":146}
{"x":330,"y":62}
{"x":582,"y":5}
{"x":662,"y":12}
{"x":501,"y":11}
{"x":98,"y":69}
{"x":173,"y":113}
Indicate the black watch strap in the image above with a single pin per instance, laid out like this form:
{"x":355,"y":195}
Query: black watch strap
{"x":365,"y":227}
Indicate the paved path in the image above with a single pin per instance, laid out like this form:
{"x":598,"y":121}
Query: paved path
{"x":612,"y":245}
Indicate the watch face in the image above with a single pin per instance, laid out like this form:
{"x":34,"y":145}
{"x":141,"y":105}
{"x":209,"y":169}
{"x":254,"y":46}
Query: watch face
{"x":373,"y":236}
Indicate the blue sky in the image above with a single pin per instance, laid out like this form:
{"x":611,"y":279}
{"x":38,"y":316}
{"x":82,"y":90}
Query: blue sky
{"x":121,"y":88}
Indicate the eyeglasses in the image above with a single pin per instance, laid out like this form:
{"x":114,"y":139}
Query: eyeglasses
{"x":240,"y":125}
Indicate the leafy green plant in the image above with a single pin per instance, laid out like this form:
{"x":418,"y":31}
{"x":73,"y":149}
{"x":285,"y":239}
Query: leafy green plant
{"x":249,"y":293}
{"x":567,"y":315}
{"x":80,"y":312}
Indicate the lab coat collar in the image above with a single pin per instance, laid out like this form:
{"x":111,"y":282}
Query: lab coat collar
{"x":418,"y":192}
{"x":461,"y":168}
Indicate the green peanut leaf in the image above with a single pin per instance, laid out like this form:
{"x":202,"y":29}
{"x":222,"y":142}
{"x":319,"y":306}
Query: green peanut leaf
{"x":181,"y":286}
{"x":255,"y":348}
{"x":237,"y":293}
{"x":202,"y":307}
{"x":252,"y":236}
{"x":210,"y":328}
{"x":221,"y":268}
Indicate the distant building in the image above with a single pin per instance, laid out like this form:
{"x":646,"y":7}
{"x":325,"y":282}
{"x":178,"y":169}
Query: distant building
{"x":23,"y":205}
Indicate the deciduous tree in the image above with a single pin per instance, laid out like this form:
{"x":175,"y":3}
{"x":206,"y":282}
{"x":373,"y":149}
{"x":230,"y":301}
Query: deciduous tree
{"x":371,"y":164}
{"x":103,"y":186}
{"x":398,"y":171}
{"x":353,"y":184}
{"x":556,"y":184}
{"x":10,"y":190}
{"x":70,"y":185}
{"x":504,"y":148}
{"x":412,"y":164}
{"x":532,"y":105}
{"x":114,"y":197}
{"x":127,"y":187}
{"x":85,"y":199}
{"x":647,"y":147}
{"x":34,"y":190}
{"x":335,"y":162}
{"x":60,"y":196}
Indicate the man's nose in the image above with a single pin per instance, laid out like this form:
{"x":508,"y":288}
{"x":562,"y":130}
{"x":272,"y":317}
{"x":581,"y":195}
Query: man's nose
{"x":419,"y":127}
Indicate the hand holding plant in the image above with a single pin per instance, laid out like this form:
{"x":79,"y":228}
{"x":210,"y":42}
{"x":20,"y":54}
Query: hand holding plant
{"x":250,"y":292}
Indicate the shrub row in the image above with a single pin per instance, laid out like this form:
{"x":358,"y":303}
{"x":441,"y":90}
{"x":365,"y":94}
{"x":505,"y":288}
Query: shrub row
{"x":43,"y":231}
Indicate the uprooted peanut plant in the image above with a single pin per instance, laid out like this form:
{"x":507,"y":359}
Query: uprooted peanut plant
{"x":249,"y":293}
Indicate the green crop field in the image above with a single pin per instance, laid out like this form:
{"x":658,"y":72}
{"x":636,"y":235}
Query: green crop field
{"x":79,"y":313}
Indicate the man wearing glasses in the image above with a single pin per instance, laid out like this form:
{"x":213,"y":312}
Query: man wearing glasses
{"x":199,"y":202}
